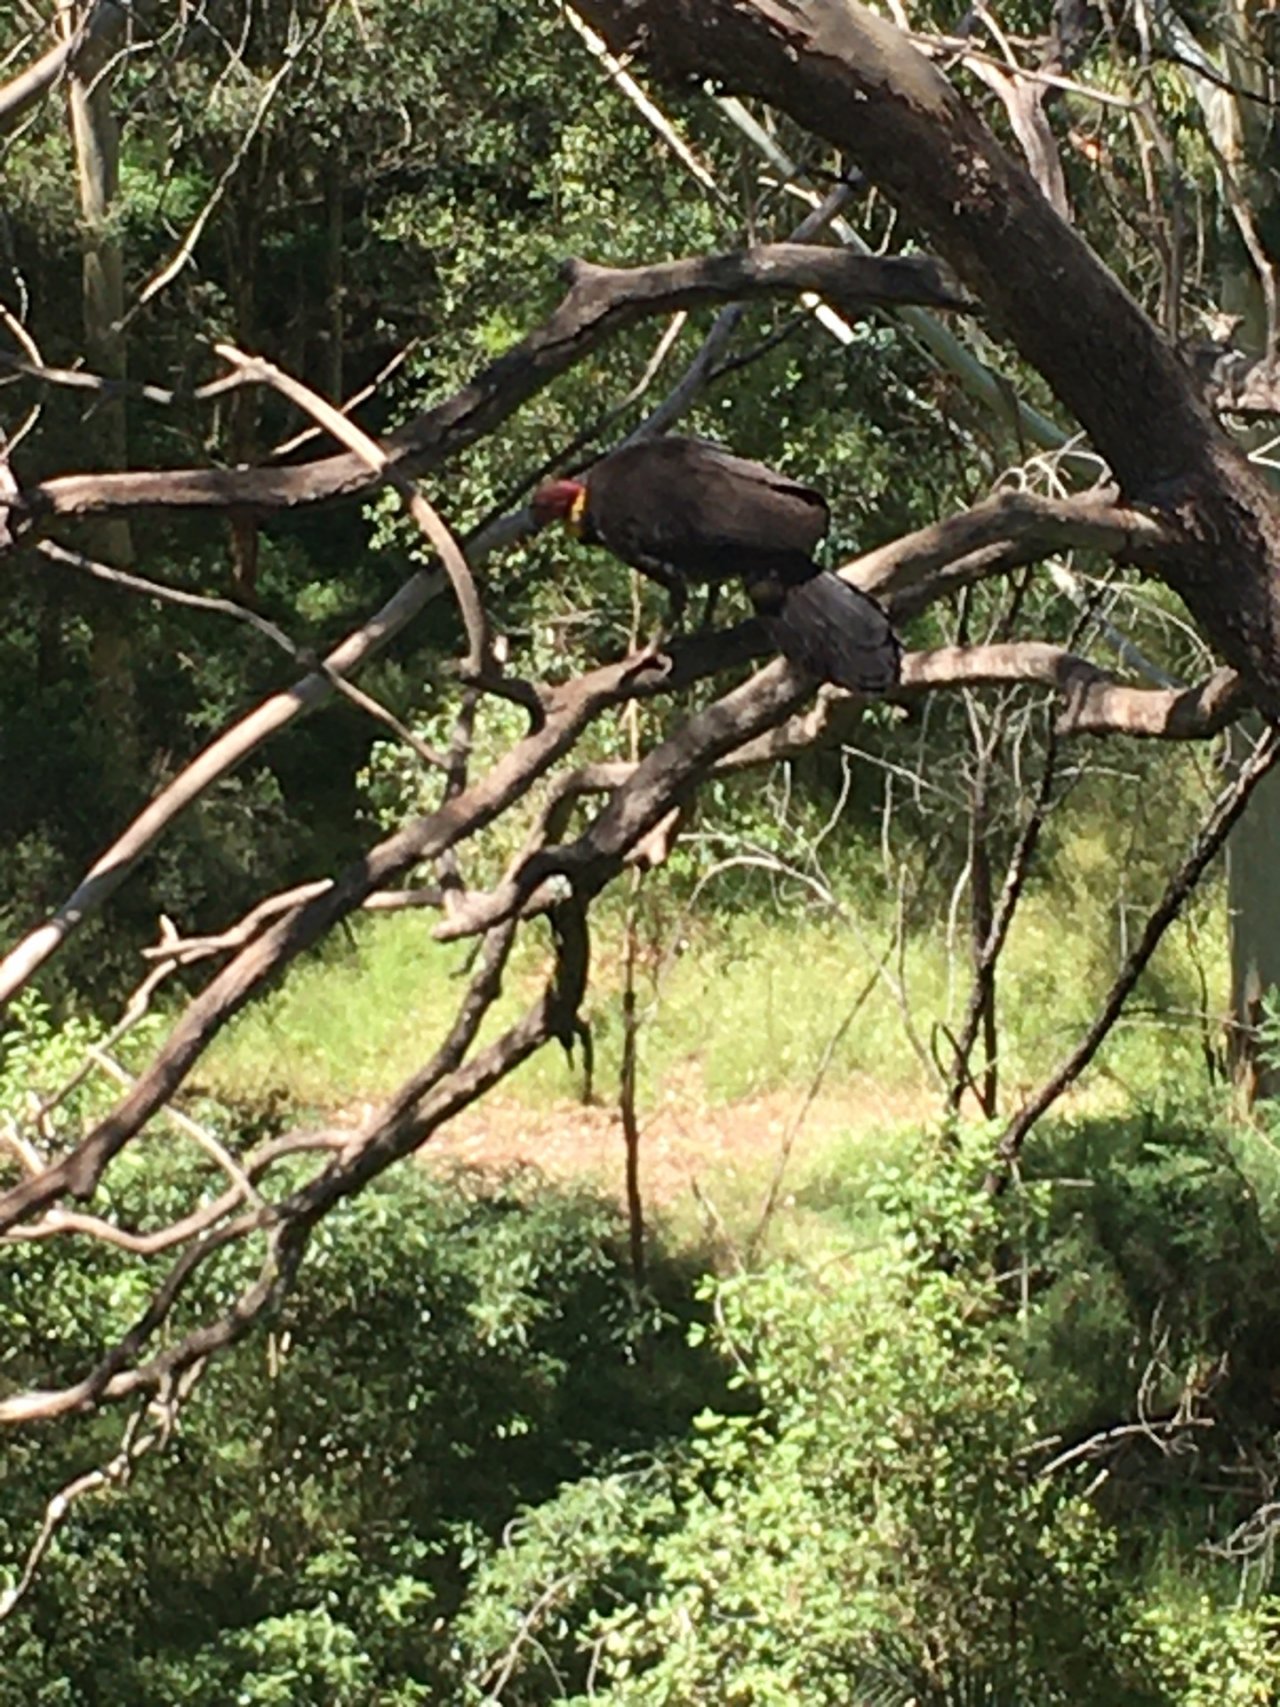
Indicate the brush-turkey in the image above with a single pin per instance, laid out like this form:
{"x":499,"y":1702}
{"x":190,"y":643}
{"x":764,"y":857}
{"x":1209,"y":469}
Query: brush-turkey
{"x":685,"y":511}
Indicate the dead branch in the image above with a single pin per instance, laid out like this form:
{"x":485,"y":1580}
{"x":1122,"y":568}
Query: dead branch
{"x":1095,"y":702}
{"x":164,"y":594}
{"x":98,"y":21}
{"x":1226,"y":811}
{"x":421,"y":1106}
{"x":660,"y":779}
{"x":1023,"y":100}
{"x":599,"y":302}
{"x":699,"y":371}
{"x":427,"y":519}
{"x":39,"y":1405}
{"x":299,"y":44}
{"x":1005,"y":532}
{"x":58,"y":1222}
{"x":116,"y":1472}
{"x":1167,"y":1435}
{"x":981,"y":1003}
{"x":222,"y":756}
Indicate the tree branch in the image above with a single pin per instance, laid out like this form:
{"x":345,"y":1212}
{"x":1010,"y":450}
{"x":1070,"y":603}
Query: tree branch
{"x":22,"y":92}
{"x":1096,"y":704}
{"x":599,"y":302}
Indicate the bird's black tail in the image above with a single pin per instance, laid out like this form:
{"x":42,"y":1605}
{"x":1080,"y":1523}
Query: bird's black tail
{"x":832,"y":630}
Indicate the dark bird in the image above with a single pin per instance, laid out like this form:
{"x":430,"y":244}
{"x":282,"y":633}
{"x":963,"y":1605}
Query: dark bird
{"x":683,"y":512}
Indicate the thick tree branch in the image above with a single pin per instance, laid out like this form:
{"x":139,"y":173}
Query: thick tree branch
{"x":600,"y":301}
{"x":751,"y":726}
{"x":1004,"y":532}
{"x":1095,"y":703}
{"x":654,"y":786}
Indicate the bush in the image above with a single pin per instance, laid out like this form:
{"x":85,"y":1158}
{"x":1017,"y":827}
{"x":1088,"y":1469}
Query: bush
{"x":468,"y":1464}
{"x":875,"y":1526}
{"x":455,"y":1348}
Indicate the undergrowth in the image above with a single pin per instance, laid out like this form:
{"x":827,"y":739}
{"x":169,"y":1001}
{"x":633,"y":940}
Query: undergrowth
{"x":737,"y":1004}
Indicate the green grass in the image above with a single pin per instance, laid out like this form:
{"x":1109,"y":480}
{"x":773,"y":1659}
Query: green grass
{"x":751,"y":1005}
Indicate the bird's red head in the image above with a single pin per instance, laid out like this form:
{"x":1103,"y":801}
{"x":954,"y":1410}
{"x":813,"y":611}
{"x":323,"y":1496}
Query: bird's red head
{"x":559,"y":501}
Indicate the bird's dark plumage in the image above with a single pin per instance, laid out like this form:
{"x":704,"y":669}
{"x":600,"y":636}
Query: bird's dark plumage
{"x":836,"y":633}
{"x":685,"y":511}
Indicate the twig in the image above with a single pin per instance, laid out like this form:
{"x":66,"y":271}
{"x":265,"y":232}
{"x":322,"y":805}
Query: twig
{"x":769,"y":1207}
{"x":1109,"y":1440}
{"x":989,"y":951}
{"x":164,"y":594}
{"x":186,"y":246}
{"x":201,"y":1135}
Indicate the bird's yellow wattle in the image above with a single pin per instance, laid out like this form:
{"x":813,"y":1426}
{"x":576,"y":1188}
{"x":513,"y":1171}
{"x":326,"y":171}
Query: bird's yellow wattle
{"x":577,"y":515}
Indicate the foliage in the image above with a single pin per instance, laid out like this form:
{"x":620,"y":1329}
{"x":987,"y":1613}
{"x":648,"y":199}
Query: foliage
{"x":453,"y":1350}
{"x":469,"y":1463}
{"x":877,"y":1527}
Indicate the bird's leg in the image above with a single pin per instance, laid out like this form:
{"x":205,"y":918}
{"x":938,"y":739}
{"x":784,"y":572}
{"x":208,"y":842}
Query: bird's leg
{"x":677,"y":599}
{"x":709,"y":604}
{"x":677,"y":603}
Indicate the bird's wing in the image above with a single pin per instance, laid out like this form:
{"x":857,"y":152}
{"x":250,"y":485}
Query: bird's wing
{"x":700,"y":510}
{"x":753,"y":504}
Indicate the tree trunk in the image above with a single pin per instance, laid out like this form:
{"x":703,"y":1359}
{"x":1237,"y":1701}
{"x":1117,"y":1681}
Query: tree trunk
{"x":1238,"y":113}
{"x":96,"y":140}
{"x":1253,"y":860}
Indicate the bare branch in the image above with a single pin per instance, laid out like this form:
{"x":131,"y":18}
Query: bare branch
{"x":1226,"y":811}
{"x":1023,"y":100}
{"x":164,"y":594}
{"x":981,"y":1004}
{"x":599,"y":302}
{"x":100,"y":19}
{"x":116,"y":1472}
{"x":186,"y":245}
{"x":1096,"y":704}
{"x":1006,"y":531}
{"x":58,"y":1222}
{"x":418,"y":1109}
{"x":429,"y":523}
